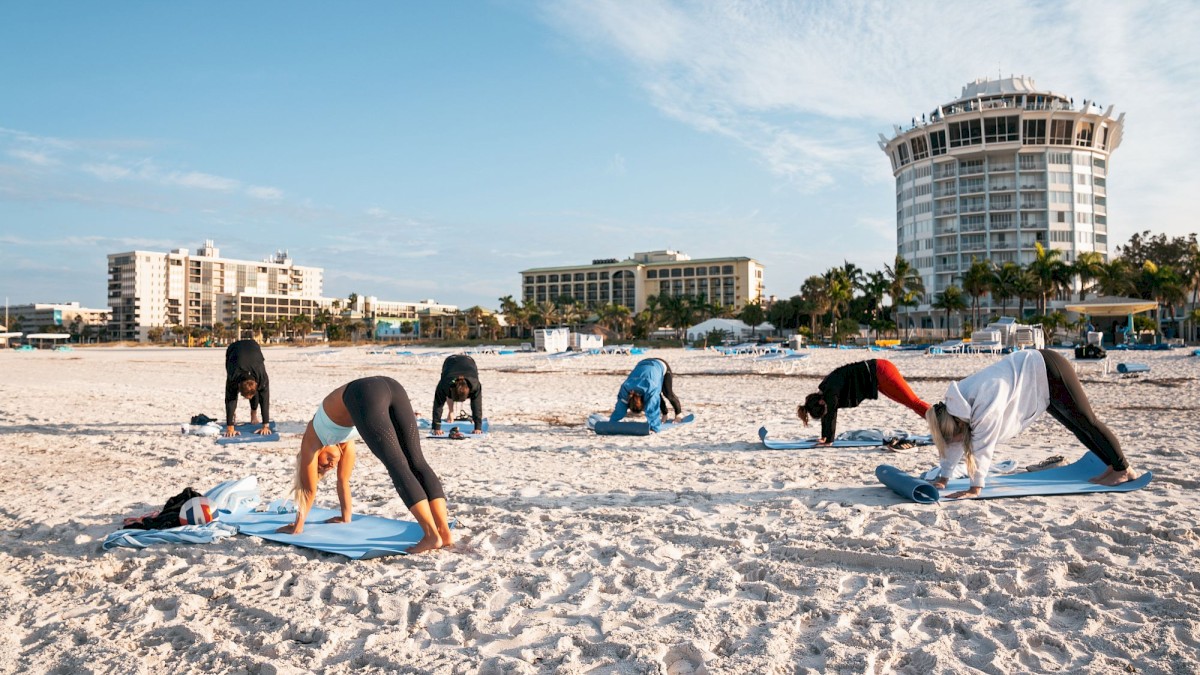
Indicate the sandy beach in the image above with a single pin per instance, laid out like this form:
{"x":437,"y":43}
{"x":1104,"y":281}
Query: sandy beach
{"x":694,"y":551}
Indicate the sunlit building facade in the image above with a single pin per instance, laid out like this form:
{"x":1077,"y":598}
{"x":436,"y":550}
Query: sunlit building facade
{"x":990,"y":175}
{"x":731,"y":282}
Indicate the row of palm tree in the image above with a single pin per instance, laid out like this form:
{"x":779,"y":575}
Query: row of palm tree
{"x":1153,"y":267}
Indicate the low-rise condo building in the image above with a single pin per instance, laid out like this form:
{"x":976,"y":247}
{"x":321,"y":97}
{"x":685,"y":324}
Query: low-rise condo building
{"x":731,"y":282}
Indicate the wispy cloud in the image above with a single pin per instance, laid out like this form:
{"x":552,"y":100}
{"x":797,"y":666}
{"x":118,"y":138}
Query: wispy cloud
{"x":805,"y":85}
{"x":38,"y":158}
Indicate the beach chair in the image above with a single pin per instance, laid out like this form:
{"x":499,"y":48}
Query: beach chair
{"x":989,"y":341}
{"x":945,"y":348}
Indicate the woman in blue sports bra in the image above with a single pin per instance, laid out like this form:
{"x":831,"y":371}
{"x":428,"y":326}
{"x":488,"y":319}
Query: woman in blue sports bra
{"x":379,"y":408}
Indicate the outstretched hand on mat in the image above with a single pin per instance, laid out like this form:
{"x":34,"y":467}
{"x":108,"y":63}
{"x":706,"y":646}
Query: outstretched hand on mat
{"x":265,"y":430}
{"x":230,"y":432}
{"x":965,"y":494}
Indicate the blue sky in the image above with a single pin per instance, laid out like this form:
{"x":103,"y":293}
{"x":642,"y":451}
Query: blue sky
{"x":433,"y":150}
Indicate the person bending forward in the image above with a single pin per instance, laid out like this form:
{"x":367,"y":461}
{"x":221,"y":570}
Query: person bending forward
{"x":648,"y":388}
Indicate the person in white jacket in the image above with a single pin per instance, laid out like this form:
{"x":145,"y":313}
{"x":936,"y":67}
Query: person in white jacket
{"x":1004,"y":399}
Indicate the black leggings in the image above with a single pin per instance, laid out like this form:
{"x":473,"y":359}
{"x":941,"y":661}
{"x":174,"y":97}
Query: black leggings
{"x":668,"y":391}
{"x":384,"y":418}
{"x":1069,"y":405}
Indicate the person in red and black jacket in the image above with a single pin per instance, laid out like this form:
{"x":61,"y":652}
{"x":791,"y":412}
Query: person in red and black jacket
{"x":850,"y":385}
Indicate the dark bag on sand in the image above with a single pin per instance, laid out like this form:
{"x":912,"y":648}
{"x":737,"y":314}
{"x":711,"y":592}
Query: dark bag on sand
{"x":202,"y":419}
{"x":169,"y":515}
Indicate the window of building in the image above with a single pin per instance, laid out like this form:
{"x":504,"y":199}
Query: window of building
{"x":937,"y":143}
{"x":554,"y":278}
{"x":965,"y":133}
{"x":676,"y":272}
{"x":714,"y":269}
{"x":1000,"y":129}
{"x":1061,"y":132}
{"x":591,"y":276}
{"x":1099,"y":162}
{"x":1062,"y":216}
{"x":1035,"y":132}
{"x":727,"y":269}
{"x":1059,"y":157}
{"x":920,"y":147}
{"x":689,"y":271}
{"x":902,"y":154}
{"x":651,"y":274}
{"x":1083,"y":198}
{"x":1083,"y":179}
{"x":1083,"y":134}
{"x":1060,"y":177}
{"x":701,"y":271}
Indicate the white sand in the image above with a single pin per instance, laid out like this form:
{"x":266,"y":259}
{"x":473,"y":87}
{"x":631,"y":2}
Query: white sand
{"x":691,"y":551}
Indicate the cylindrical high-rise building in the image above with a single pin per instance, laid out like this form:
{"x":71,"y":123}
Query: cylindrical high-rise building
{"x":1004,"y":167}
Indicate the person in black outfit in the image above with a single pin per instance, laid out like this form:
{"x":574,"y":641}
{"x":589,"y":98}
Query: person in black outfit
{"x":459,"y":381}
{"x":246,"y":374}
{"x":850,"y":385}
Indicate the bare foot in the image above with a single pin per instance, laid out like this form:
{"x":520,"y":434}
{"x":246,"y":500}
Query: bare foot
{"x":428,"y":543}
{"x":1099,"y":480}
{"x":1118,"y":477}
{"x":446,"y":537}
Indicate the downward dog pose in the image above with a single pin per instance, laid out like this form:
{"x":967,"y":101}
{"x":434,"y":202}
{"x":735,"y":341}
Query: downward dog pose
{"x":850,"y":385}
{"x":648,"y":388}
{"x":1002,"y":400}
{"x":246,"y":374}
{"x":460,"y":381}
{"x":379,"y":408}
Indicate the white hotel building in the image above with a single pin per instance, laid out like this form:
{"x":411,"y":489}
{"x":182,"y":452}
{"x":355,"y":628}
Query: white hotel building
{"x":996,"y":171}
{"x":163,"y":290}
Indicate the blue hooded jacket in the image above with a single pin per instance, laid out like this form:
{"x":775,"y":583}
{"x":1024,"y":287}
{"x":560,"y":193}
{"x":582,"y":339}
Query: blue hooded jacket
{"x":647,"y":379}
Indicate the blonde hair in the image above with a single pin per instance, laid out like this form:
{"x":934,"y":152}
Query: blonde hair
{"x":300,"y":494}
{"x":943,"y":425}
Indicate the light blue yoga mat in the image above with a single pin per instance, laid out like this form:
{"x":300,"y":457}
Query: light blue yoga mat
{"x":247,"y":434}
{"x":363,"y":537}
{"x":1063,"y":480}
{"x":807,"y":443}
{"x":465,"y":426}
{"x":1132,"y":368}
{"x":599,"y":423}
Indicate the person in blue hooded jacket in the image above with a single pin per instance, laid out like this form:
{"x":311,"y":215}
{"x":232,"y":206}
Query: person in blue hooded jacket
{"x":648,"y":389}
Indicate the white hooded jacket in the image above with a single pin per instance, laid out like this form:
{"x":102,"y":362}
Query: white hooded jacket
{"x":999,"y":402}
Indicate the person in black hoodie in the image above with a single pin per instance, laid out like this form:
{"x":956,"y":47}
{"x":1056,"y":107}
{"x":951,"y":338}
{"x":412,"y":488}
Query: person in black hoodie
{"x":459,"y":381}
{"x":246,"y":374}
{"x":850,"y":385}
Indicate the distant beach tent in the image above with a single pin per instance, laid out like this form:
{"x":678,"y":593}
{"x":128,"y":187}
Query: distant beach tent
{"x":5,"y":337}
{"x":1110,"y":305}
{"x":734,"y":328}
{"x":39,"y":339}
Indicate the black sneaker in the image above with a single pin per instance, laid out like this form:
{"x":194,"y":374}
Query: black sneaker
{"x":456,"y":434}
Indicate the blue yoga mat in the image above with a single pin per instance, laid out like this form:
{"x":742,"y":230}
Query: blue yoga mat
{"x":807,"y":443}
{"x":363,"y":537}
{"x":1064,"y":480}
{"x":1132,"y":368}
{"x":247,"y":434}
{"x":603,"y":427}
{"x":465,"y":426}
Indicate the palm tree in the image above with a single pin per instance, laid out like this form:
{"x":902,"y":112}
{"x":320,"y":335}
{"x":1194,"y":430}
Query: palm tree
{"x":752,"y":314}
{"x":905,"y":286}
{"x":547,"y":313}
{"x":1087,"y":268}
{"x":1004,"y":284}
{"x":1115,"y":278}
{"x":977,"y":282}
{"x":1049,"y":274}
{"x":950,"y":300}
{"x":1025,"y":287}
{"x":1163,"y":286}
{"x":816,"y":297}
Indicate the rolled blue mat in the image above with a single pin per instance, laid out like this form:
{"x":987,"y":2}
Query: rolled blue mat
{"x":909,"y":487}
{"x":1132,"y":368}
{"x":622,"y":428}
